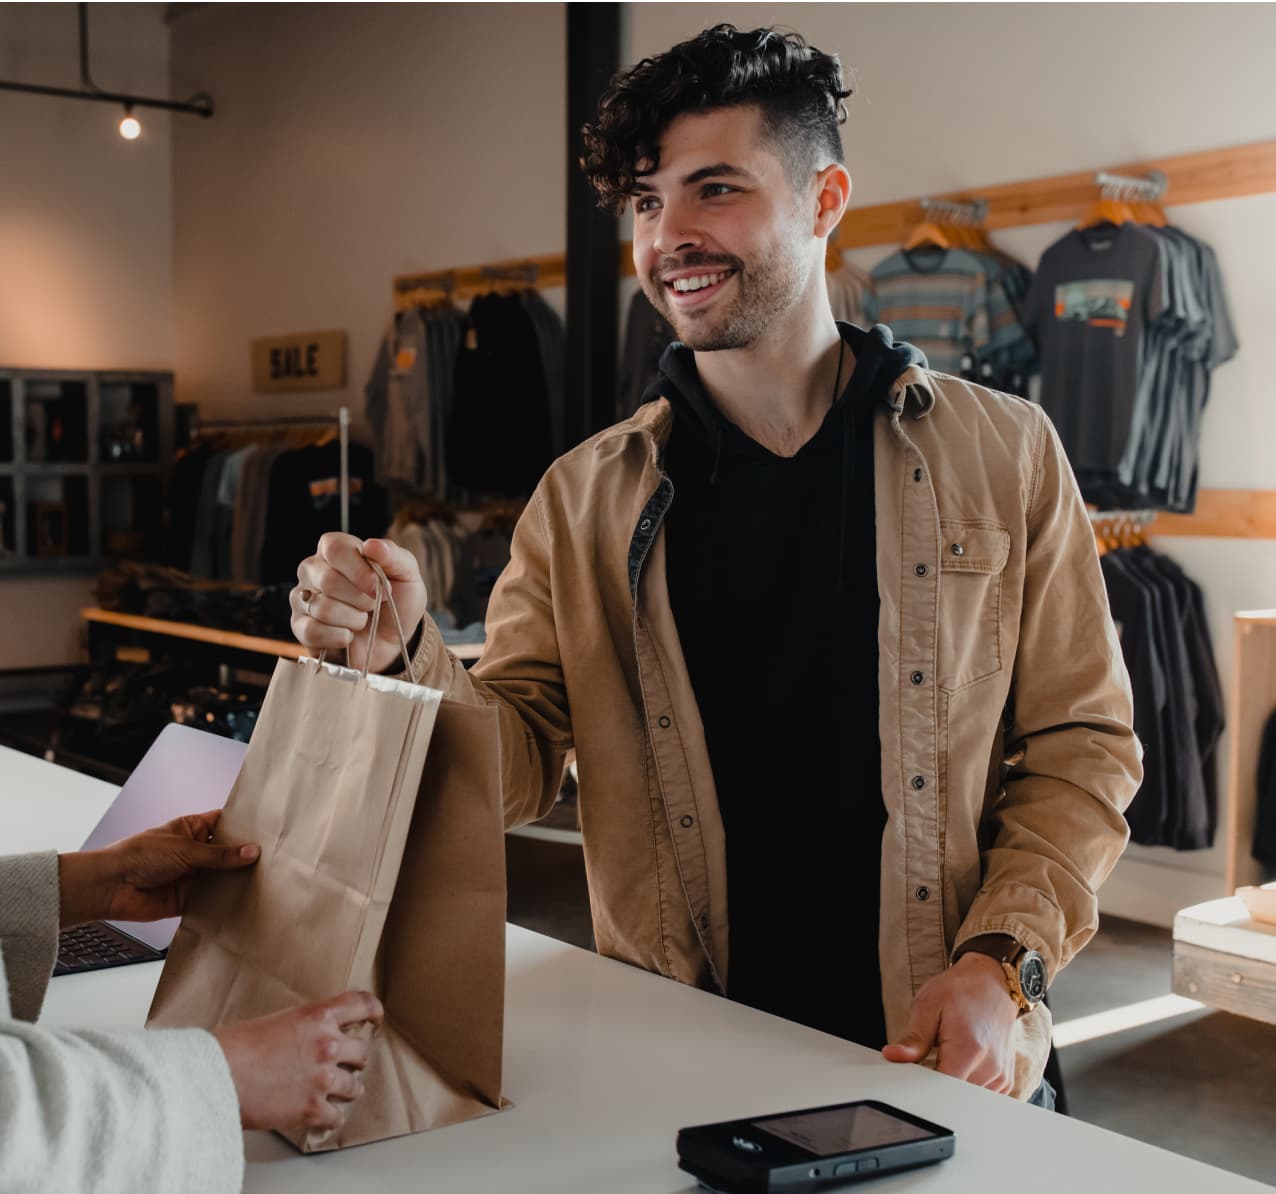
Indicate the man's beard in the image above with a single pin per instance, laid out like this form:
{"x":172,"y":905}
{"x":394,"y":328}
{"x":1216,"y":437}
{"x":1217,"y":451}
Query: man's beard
{"x":764,"y":290}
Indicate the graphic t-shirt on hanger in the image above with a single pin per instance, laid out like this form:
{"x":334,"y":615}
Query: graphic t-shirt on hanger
{"x":1095,"y":295}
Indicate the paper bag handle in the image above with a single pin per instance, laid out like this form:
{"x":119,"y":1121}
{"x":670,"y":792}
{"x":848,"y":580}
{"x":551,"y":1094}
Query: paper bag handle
{"x":383,"y":596}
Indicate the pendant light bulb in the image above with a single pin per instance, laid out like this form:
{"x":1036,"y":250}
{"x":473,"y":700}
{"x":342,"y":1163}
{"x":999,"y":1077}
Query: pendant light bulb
{"x":130,"y":126}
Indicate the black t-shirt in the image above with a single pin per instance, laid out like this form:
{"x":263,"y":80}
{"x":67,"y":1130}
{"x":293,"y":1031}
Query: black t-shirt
{"x":773,"y":583}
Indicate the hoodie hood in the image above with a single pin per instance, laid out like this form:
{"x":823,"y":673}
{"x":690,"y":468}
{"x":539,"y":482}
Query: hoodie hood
{"x":879,"y":360}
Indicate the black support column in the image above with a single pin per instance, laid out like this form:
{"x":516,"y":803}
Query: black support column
{"x":593,"y":56}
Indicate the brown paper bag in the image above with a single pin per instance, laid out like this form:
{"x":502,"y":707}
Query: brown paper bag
{"x":378,"y":809}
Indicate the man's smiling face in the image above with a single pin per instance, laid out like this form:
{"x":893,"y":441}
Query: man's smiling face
{"x":720,"y":245}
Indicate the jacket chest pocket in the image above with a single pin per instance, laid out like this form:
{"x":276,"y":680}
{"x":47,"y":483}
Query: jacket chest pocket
{"x":972,"y":563}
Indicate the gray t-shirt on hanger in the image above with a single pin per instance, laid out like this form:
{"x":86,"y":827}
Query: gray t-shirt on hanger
{"x":1095,"y":295}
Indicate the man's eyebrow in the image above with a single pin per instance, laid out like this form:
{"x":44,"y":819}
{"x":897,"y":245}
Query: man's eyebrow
{"x":717,"y":170}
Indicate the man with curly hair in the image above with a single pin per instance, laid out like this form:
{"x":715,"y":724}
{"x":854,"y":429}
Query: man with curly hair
{"x":825,"y":628}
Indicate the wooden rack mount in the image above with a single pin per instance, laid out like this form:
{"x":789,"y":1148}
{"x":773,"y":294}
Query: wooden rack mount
{"x":1191,"y":178}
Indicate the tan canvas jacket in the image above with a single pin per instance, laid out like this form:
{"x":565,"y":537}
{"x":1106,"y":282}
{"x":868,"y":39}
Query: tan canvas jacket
{"x":1007,"y":748}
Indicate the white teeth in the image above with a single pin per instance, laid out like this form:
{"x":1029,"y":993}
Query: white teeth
{"x":686,"y":285}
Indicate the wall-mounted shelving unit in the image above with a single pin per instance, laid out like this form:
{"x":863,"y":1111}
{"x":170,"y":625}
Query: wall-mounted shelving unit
{"x":85,"y":459}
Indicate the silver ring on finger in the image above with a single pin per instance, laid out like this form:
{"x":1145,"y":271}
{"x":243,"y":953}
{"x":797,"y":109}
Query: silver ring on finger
{"x":307,"y":596}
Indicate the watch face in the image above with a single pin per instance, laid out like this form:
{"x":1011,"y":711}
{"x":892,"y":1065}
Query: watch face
{"x":1032,"y":977}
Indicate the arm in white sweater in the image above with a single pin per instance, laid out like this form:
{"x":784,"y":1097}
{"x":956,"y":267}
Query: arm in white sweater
{"x":100,"y":1112}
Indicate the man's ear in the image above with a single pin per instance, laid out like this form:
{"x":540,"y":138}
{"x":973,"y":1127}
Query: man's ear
{"x":832,"y":194}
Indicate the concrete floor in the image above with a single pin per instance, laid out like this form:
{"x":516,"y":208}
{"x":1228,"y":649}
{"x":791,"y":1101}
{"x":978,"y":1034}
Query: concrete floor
{"x":1199,"y":1083}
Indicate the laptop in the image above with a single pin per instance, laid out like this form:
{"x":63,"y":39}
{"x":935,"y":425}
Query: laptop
{"x":185,"y":771}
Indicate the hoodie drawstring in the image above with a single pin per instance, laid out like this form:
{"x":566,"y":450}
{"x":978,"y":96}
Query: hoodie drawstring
{"x":848,"y":463}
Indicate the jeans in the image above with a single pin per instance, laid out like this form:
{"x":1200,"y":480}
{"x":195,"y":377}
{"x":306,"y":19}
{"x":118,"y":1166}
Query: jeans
{"x":1043,"y":1096}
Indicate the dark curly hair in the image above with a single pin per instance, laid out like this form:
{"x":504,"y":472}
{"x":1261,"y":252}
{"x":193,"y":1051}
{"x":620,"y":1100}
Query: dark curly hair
{"x":798,"y":89}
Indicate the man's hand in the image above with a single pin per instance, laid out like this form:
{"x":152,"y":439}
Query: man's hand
{"x":336,"y":592}
{"x":147,"y":876}
{"x":969,"y":1014}
{"x":299,"y":1068}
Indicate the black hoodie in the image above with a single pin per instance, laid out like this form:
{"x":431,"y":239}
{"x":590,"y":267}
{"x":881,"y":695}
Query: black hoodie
{"x":773,"y":582}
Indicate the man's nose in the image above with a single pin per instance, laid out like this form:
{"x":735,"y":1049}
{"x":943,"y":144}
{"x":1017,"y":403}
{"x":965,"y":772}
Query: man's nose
{"x":675,"y":233}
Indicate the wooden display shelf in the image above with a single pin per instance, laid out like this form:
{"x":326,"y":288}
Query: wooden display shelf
{"x":1242,"y":986}
{"x":229,"y":639}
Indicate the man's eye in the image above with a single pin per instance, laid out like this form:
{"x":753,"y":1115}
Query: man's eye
{"x":714,"y":189}
{"x":646,"y":203}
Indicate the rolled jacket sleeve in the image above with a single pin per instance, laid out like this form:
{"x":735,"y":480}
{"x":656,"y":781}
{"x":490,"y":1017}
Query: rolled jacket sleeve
{"x":520,"y":673}
{"x":1073,"y":760}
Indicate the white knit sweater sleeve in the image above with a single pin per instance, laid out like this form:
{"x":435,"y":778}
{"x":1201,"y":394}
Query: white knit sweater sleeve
{"x":100,"y":1112}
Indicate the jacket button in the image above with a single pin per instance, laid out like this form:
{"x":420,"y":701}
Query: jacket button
{"x":664,"y":722}
{"x":919,"y":782}
{"x":922,"y":893}
{"x":921,"y":570}
{"x":958,"y":550}
{"x":917,"y":474}
{"x":704,"y":921}
{"x":645,"y":525}
{"x":688,"y":821}
{"x":919,"y":678}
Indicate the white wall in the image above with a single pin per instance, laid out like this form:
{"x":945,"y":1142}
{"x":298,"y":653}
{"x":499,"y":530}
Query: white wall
{"x":352,"y":143}
{"x":964,"y":95}
{"x":85,"y":241}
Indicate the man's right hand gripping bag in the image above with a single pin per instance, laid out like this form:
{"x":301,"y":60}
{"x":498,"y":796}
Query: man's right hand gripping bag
{"x":378,"y":808}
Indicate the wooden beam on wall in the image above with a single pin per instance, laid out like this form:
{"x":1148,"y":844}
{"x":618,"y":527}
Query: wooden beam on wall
{"x":1193,"y":178}
{"x":1224,"y":514}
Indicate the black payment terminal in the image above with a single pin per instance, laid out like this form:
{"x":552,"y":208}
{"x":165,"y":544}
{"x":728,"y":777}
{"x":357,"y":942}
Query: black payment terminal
{"x":815,"y":1149}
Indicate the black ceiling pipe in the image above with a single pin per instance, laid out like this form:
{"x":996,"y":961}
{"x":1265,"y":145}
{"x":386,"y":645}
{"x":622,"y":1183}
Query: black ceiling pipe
{"x":198,"y":105}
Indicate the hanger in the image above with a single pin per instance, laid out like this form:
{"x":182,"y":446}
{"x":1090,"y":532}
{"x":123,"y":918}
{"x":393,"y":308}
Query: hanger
{"x":1128,"y":200}
{"x":1151,"y":214}
{"x":1109,"y":211}
{"x":928,"y":233}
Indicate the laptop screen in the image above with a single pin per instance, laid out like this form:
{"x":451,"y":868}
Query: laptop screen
{"x":185,"y":771}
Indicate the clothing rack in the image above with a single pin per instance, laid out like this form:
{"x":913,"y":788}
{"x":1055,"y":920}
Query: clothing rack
{"x":411,"y":290}
{"x":1121,"y":527}
{"x":342,"y":417}
{"x":1139,"y":519}
{"x":945,"y":211}
{"x":1118,"y":186}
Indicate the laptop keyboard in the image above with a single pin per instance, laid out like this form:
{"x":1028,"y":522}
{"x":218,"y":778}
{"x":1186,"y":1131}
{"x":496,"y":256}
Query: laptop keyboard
{"x":96,"y":946}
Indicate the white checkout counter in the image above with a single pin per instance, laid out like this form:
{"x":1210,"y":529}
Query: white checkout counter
{"x":604,"y":1063}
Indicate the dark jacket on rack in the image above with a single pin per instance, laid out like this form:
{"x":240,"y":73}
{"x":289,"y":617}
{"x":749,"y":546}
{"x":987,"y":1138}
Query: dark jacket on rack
{"x":498,"y":434}
{"x":1178,"y":703}
{"x":305,"y":502}
{"x":1264,"y":849}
